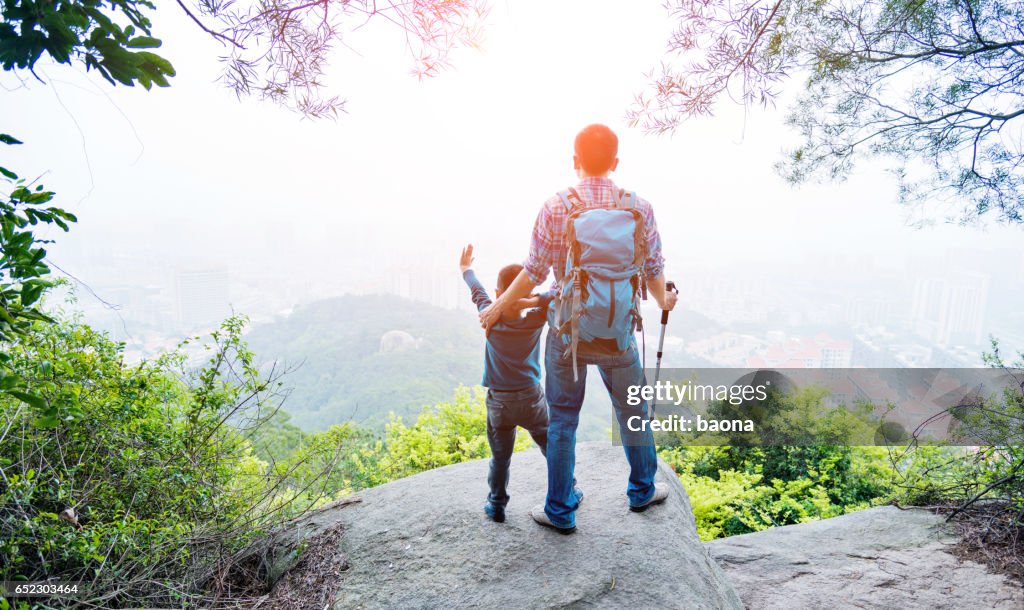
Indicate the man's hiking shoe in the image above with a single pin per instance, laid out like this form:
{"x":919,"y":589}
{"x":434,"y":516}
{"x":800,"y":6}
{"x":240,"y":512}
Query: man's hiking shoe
{"x":496,"y":513}
{"x":541,"y":517}
{"x":660,"y":495}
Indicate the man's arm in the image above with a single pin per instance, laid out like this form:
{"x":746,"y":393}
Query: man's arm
{"x":535,"y":271}
{"x":521,"y":287}
{"x":654,"y":266}
{"x":477,"y":291}
{"x":656,"y":288}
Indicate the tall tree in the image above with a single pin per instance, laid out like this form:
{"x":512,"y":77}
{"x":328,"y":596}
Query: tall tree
{"x":936,"y":87}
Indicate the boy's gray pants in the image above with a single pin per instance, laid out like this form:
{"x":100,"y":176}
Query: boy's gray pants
{"x":505,"y":412}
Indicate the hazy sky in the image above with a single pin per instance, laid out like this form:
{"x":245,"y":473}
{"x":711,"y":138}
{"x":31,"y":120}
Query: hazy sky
{"x":416,"y":168}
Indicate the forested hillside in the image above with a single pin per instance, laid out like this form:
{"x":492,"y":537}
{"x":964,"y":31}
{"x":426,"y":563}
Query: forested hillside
{"x":360,"y":358}
{"x":345,"y":369}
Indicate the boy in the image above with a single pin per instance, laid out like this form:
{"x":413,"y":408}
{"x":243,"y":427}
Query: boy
{"x":512,"y":377}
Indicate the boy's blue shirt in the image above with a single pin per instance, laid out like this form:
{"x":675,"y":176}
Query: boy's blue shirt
{"x":512,"y":355}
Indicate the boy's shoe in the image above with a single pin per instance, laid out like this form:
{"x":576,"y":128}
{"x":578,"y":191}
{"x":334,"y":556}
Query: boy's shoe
{"x":495,"y":512}
{"x":660,"y":495}
{"x":541,"y":517}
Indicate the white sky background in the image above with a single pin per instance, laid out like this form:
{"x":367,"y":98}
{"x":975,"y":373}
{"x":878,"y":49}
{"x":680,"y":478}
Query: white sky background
{"x":190,"y":174}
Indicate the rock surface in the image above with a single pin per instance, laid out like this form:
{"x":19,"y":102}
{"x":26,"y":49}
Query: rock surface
{"x":877,"y":558}
{"x":424,"y":542}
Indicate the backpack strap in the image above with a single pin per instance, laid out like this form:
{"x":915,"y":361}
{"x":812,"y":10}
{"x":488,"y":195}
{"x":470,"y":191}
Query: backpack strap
{"x":571,"y":199}
{"x":574,"y":328}
{"x":624,"y":199}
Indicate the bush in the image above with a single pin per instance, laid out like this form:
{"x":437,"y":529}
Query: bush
{"x":139,"y":480}
{"x":804,"y":469}
{"x":448,"y":433}
{"x":738,"y":490}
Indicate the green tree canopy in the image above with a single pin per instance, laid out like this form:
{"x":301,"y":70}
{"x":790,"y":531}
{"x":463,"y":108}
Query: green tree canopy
{"x":933,"y":86}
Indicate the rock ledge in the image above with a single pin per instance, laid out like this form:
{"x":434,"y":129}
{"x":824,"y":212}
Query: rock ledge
{"x":424,"y":542}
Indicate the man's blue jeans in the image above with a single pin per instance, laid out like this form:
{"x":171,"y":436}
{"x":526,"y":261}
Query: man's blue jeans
{"x":565,"y":397}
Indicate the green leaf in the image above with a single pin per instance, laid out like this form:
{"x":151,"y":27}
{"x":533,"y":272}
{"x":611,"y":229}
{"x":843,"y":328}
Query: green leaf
{"x":8,"y":173}
{"x":160,"y":65}
{"x":9,"y":382}
{"x":32,"y":400}
{"x":31,"y":291}
{"x":47,"y":422}
{"x":144,"y":42}
{"x":6,"y":139}
{"x":34,"y":314}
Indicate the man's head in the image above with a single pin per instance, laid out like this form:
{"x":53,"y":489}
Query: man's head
{"x":596,"y":151}
{"x":506,"y":276}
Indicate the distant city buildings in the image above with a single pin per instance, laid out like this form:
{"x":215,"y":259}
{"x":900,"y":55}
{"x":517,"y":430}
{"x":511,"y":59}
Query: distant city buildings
{"x":818,"y":352}
{"x":436,"y":283}
{"x":936,"y":311}
{"x":868,"y":311}
{"x":202,"y":297}
{"x":949,"y":309}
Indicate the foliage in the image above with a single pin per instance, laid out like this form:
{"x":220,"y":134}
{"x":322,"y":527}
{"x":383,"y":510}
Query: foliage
{"x":280,"y":50}
{"x":84,"y":31}
{"x":342,"y":371}
{"x":449,"y":433}
{"x":802,"y":463}
{"x":146,"y":483}
{"x":333,"y":463}
{"x":24,"y":273}
{"x":277,"y":438}
{"x":275,"y":50}
{"x":737,"y":490}
{"x":991,"y":467}
{"x":151,"y":484}
{"x":979,"y":485}
{"x":931,"y":86}
{"x":802,"y":418}
{"x":346,"y":458}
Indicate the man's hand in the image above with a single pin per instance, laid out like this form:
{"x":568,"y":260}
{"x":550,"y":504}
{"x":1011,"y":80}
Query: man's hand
{"x":666,"y":299}
{"x":521,"y":287}
{"x":490,"y":316}
{"x":466,"y":261}
{"x":670,"y":301}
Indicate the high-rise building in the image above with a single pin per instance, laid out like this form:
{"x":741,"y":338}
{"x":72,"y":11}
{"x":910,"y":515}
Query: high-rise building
{"x":202,"y":296}
{"x":950,"y":309}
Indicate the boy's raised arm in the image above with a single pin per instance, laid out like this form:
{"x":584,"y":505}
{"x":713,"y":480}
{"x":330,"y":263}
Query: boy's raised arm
{"x":477,"y":291}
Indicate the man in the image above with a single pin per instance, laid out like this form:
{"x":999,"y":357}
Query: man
{"x":596,"y":156}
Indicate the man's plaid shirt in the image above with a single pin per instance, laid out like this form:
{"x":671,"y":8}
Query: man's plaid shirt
{"x":547,"y":246}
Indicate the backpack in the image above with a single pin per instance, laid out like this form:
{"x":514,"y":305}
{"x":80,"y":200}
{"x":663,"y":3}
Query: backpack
{"x":600,"y":293}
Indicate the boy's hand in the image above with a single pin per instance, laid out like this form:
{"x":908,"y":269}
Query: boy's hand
{"x":466,"y":261}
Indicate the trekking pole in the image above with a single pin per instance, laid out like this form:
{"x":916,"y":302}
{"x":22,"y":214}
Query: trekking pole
{"x":669,"y":287}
